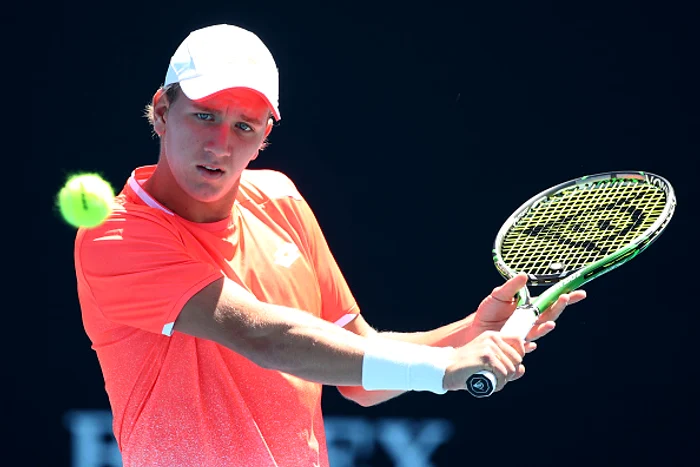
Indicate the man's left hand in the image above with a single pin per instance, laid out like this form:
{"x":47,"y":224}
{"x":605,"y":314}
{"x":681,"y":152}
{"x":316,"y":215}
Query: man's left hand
{"x":497,"y":307}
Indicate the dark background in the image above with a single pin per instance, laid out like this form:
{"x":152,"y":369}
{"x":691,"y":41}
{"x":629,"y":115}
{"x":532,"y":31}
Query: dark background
{"x":413,"y":130}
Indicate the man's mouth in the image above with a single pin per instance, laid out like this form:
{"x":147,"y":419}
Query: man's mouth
{"x":211,"y":168}
{"x":210,"y":171}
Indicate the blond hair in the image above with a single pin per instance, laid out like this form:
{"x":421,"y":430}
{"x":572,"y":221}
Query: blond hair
{"x":171,"y":91}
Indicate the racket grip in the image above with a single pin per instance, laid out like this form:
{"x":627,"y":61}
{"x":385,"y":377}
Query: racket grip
{"x":483,"y":383}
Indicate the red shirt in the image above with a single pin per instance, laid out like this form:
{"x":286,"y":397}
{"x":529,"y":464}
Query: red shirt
{"x":178,"y":400}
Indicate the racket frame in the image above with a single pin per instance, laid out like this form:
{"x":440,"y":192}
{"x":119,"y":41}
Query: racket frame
{"x":483,"y":383}
{"x":567,"y":281}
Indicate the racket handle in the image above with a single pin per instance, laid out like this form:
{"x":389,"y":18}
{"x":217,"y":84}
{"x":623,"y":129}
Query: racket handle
{"x":483,"y":383}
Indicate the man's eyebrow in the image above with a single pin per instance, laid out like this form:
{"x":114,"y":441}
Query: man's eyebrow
{"x":247,"y":118}
{"x":200,"y":106}
{"x":255,"y":121}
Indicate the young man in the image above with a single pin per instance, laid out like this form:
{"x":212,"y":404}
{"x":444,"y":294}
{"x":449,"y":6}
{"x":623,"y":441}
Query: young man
{"x":214,"y":305}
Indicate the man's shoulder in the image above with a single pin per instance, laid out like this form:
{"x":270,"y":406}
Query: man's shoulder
{"x":261,"y":185}
{"x":127,"y":220}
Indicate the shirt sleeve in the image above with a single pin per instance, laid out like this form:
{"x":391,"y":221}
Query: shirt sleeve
{"x":338,"y":303}
{"x":136,"y":271}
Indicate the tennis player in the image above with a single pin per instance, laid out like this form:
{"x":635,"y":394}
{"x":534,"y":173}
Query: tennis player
{"x":214,"y":305}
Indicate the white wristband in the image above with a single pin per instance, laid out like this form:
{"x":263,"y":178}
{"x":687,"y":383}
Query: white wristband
{"x":395,"y":365}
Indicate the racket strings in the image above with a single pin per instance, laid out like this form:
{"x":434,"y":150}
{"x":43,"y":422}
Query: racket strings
{"x":581,"y":224}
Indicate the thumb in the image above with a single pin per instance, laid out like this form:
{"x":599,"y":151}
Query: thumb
{"x":507,"y":291}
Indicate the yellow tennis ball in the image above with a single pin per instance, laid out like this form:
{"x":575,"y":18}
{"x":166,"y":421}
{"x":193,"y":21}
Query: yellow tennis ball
{"x":85,"y":200}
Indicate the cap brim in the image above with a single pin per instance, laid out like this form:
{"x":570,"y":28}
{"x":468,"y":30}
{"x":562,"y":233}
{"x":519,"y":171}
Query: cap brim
{"x":201,"y":87}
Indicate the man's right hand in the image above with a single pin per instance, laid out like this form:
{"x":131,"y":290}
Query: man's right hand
{"x":490,"y":351}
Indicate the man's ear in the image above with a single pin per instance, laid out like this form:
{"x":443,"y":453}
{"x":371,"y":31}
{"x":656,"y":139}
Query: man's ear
{"x":268,"y":129}
{"x":160,"y":110}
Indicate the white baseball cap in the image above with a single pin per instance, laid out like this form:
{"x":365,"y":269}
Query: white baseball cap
{"x":221,"y":57}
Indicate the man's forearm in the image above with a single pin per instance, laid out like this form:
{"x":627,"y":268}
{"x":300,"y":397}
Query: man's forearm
{"x":451,"y":335}
{"x":272,"y":336}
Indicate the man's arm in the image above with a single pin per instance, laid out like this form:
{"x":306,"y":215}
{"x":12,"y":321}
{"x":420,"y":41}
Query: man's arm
{"x":295,"y":342}
{"x":491,"y":314}
{"x":449,"y":335}
{"x":272,"y":336}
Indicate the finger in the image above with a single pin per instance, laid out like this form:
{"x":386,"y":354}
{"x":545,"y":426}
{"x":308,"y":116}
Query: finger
{"x":499,"y":363}
{"x":576,"y":296}
{"x":499,"y":370}
{"x":555,"y":310}
{"x":513,"y":369}
{"x":541,"y":330}
{"x":530,"y":347}
{"x":510,"y":365}
{"x":545,"y":323}
{"x":514,"y":347}
{"x":512,"y":352}
{"x":507,"y":291}
{"x":519,"y":373}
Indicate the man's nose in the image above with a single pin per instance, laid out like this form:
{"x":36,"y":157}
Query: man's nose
{"x":220,"y":142}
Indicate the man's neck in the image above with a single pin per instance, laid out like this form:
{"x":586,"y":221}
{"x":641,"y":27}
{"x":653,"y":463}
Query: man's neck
{"x":164,"y":189}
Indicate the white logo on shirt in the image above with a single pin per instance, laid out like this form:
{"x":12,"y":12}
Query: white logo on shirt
{"x":287,"y":254}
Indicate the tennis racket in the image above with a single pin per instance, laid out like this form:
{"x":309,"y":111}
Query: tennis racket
{"x":572,"y":233}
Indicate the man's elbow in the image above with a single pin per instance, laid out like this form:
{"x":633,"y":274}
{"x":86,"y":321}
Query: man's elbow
{"x":358,"y":395}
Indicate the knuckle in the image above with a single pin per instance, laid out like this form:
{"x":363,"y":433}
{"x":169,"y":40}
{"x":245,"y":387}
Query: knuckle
{"x":488,"y":359}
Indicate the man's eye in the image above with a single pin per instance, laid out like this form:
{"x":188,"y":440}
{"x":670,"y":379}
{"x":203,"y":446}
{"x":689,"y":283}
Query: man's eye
{"x":245,"y":127}
{"x":204,"y":116}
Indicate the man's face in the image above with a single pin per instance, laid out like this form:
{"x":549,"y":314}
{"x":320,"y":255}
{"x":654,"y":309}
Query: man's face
{"x":207,"y":144}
